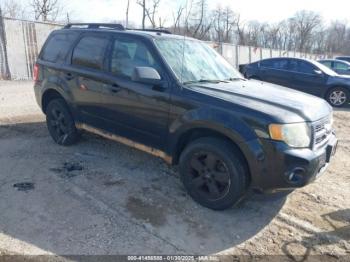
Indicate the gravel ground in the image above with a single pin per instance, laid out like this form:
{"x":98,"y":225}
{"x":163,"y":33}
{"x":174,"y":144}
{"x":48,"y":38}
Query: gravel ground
{"x":118,"y":200}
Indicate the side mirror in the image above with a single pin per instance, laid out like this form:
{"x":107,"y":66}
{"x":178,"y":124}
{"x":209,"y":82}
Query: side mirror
{"x":318,"y":72}
{"x":145,"y":74}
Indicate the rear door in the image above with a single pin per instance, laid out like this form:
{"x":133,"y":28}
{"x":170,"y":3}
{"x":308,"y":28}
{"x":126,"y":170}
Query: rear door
{"x":306,"y":77}
{"x":275,"y":71}
{"x":86,"y":76}
{"x":132,"y":109}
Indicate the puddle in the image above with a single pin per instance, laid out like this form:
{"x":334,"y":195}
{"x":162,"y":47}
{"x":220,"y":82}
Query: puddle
{"x":69,"y":169}
{"x":147,"y":212}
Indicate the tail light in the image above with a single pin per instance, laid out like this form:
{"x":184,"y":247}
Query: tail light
{"x":36,"y":73}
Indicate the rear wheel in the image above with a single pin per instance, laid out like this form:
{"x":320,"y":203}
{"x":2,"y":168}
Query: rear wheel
{"x":213,"y":173}
{"x":338,"y":96}
{"x":60,"y":123}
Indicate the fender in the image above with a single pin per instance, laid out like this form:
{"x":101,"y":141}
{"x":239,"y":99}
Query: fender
{"x":226,"y":124}
{"x":213,"y":119}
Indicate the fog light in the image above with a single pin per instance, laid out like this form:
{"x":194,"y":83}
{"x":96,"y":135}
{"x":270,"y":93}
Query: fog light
{"x":296,"y":175}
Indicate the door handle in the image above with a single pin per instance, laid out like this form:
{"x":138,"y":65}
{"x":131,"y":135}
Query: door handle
{"x":115,"y":88}
{"x":158,"y":88}
{"x":69,"y":76}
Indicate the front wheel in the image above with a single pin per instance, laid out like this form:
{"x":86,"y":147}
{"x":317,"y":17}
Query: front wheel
{"x":338,"y":96}
{"x":213,"y":173}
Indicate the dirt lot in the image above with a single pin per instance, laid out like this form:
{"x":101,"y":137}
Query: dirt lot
{"x":124,"y":201}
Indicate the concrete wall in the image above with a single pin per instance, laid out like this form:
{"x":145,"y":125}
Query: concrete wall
{"x":25,"y":39}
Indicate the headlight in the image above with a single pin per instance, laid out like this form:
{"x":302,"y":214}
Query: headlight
{"x":294,"y":135}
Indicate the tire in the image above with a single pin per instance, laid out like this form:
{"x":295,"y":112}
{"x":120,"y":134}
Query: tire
{"x":338,"y":97}
{"x":214,"y":173}
{"x":60,"y":123}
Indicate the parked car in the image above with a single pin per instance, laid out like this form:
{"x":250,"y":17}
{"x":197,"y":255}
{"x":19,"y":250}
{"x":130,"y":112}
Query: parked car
{"x":338,"y":66}
{"x":343,"y":58}
{"x":304,"y":75}
{"x":226,"y":133}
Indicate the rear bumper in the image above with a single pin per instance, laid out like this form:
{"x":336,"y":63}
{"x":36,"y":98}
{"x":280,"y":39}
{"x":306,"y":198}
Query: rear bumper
{"x":284,"y":168}
{"x":37,"y":92}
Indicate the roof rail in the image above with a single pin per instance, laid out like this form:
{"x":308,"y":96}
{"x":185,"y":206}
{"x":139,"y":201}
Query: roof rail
{"x":95,"y":26}
{"x":112,"y":26}
{"x":164,"y":31}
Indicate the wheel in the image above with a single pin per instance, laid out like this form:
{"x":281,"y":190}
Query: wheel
{"x":213,"y":173}
{"x":60,"y":123}
{"x":338,"y":96}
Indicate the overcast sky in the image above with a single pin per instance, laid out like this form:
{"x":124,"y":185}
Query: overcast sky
{"x":261,"y":10}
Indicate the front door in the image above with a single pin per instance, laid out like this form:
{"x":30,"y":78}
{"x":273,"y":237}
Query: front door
{"x":138,"y":111}
{"x":307,"y":78}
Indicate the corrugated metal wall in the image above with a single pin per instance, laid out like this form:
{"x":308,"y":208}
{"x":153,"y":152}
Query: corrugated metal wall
{"x":24,"y":40}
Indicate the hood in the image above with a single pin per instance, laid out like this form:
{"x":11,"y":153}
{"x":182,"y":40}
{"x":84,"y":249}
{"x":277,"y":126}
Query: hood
{"x":284,"y":104}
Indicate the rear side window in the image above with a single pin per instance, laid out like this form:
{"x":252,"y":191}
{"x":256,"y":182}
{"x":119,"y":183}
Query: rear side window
{"x":266,"y":63}
{"x":280,"y":64}
{"x":89,"y":52}
{"x":275,"y":63}
{"x":57,"y":47}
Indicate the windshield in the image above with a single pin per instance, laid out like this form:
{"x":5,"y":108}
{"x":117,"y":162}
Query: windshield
{"x":194,"y":61}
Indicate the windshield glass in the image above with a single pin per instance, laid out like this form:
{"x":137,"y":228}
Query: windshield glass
{"x":200,"y":62}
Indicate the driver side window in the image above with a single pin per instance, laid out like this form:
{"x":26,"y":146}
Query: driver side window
{"x":130,"y":53}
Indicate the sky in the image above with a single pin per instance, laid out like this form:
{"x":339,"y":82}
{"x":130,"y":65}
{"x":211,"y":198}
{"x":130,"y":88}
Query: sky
{"x":261,"y":10}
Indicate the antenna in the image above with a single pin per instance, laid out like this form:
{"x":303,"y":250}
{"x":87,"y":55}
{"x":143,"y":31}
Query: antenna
{"x":184,"y":41}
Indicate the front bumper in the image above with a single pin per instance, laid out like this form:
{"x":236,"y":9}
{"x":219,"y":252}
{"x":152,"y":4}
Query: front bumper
{"x":284,"y":168}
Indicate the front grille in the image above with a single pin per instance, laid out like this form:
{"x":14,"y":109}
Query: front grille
{"x":321,"y":131}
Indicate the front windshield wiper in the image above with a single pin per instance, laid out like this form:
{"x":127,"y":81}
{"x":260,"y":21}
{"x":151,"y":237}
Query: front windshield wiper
{"x":235,"y":79}
{"x":214,"y":81}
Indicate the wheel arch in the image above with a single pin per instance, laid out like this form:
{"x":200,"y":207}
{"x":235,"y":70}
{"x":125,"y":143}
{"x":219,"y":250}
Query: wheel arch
{"x":195,"y":133}
{"x":48,"y":96}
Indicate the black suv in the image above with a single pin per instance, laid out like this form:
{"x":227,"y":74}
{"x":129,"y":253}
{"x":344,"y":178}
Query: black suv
{"x":178,"y":99}
{"x":303,"y":75}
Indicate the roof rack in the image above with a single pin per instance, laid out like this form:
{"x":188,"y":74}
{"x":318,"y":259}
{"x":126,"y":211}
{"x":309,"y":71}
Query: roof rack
{"x":164,"y":31}
{"x":95,"y":26}
{"x":112,"y":26}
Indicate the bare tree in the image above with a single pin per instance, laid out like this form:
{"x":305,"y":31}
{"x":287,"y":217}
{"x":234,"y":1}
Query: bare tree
{"x":152,"y":11}
{"x":13,"y":8}
{"x":240,"y":31}
{"x":305,"y":23}
{"x":197,"y":22}
{"x":46,"y":10}
{"x":202,"y":8}
{"x":142,"y":3}
{"x":177,"y":19}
